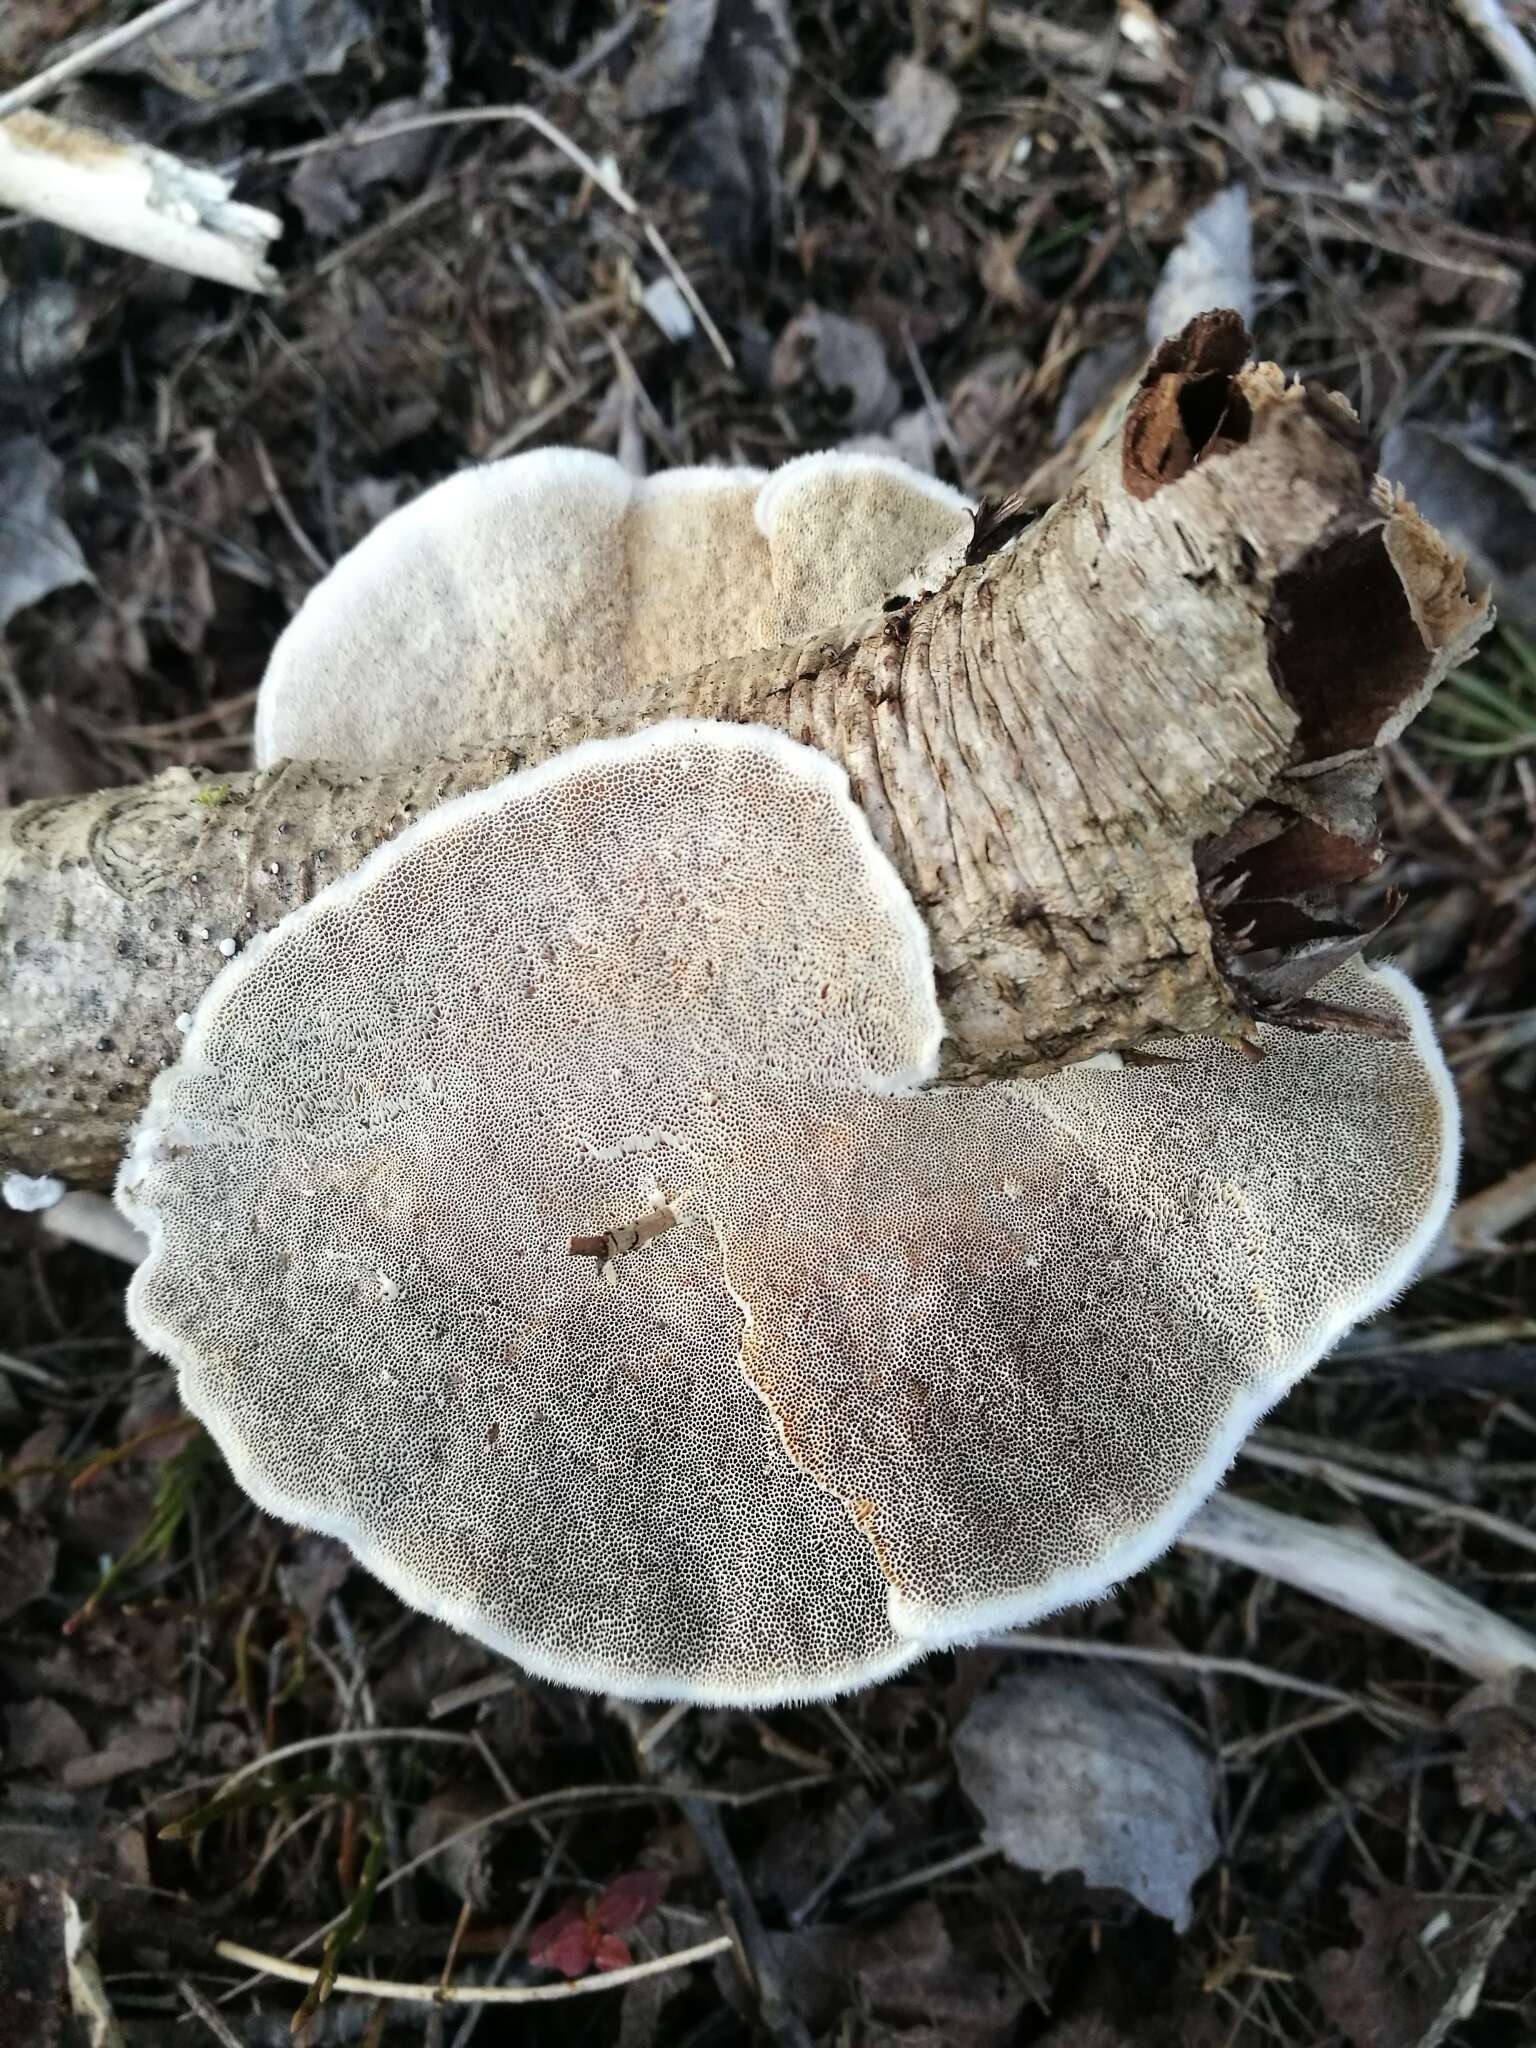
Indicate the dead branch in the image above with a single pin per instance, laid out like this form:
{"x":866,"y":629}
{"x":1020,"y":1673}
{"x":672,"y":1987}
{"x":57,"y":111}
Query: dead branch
{"x":1123,"y":765}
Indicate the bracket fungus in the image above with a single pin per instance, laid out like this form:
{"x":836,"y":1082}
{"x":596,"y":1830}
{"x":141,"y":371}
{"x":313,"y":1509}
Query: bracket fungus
{"x":860,"y":1364}
{"x":555,"y":582}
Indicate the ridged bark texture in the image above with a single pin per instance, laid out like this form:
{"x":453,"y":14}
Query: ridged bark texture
{"x":1123,"y":763}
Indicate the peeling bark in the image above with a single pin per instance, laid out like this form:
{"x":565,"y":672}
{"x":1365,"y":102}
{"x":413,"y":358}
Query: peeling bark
{"x":1124,"y":761}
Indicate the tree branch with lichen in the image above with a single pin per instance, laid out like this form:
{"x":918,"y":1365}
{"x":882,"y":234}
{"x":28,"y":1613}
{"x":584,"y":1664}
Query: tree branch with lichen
{"x":1124,"y":762}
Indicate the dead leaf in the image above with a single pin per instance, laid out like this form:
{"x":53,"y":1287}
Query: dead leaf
{"x":129,"y":1751}
{"x":1497,"y":1722}
{"x":327,"y":186}
{"x":913,"y":1982}
{"x":42,"y":1735}
{"x":43,"y":328}
{"x":584,"y":1934}
{"x":1384,"y":1993}
{"x":465,"y":1866}
{"x":28,"y":1555}
{"x":726,"y":67}
{"x":920,"y":107}
{"x":835,"y":368}
{"x":226,"y":47}
{"x":1086,"y":1768}
{"x":38,"y":553}
{"x":1211,"y":265}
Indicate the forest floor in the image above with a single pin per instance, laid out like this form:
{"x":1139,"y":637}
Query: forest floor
{"x":939,"y":225}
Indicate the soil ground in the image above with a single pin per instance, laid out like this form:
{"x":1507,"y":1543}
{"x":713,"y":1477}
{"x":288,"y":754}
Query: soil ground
{"x":993,"y":214}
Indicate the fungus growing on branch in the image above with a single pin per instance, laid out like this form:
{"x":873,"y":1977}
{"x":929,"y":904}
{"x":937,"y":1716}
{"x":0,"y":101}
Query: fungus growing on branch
{"x":857,"y":1364}
{"x":556,"y":584}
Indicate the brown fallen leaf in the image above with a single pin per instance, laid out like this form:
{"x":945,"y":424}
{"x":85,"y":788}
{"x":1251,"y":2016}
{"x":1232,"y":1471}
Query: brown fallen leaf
{"x":1386,"y":1992}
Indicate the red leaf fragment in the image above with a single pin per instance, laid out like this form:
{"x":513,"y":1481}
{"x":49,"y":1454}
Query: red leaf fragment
{"x":611,"y":1953}
{"x":565,"y":1942}
{"x":584,"y":1935}
{"x":629,"y":1898}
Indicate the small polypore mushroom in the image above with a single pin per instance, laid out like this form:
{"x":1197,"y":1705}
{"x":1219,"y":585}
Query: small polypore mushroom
{"x":859,"y":1365}
{"x":554,"y":583}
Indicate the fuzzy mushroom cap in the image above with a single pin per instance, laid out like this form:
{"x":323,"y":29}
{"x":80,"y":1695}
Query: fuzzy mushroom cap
{"x":555,"y":583}
{"x":861,"y":1365}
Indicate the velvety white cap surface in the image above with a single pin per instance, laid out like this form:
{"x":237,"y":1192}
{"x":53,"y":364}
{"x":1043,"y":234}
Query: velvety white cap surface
{"x":555,"y":583}
{"x":885,"y":1366}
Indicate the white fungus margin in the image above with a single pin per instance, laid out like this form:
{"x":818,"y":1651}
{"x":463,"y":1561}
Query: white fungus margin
{"x":556,"y":583}
{"x":559,"y":1211}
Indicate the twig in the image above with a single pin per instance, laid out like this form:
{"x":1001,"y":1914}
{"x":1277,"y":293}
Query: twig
{"x":91,"y":1220}
{"x":1356,"y":1572}
{"x":1312,"y":1464}
{"x":490,"y":1687}
{"x":200,"y":2009}
{"x":1499,"y":35}
{"x":135,"y":198}
{"x":963,"y":1859}
{"x":1461,"y":832}
{"x":31,"y":90}
{"x":1474,"y":1227}
{"x":1466,"y":1993}
{"x":476,"y":1994}
{"x":780,"y":2020}
{"x":661,"y":1727}
{"x":755,"y":1957}
{"x":605,"y":180}
{"x":1222,"y":1667}
{"x":519,"y":1931}
{"x":540,"y":1804}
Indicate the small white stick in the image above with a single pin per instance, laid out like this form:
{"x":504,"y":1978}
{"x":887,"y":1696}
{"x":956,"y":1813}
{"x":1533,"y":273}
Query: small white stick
{"x":1354,"y":1571}
{"x":1476,"y":1226}
{"x":477,"y":1994}
{"x":1488,"y":21}
{"x":135,"y":198}
{"x":91,"y":1220}
{"x":75,"y":61}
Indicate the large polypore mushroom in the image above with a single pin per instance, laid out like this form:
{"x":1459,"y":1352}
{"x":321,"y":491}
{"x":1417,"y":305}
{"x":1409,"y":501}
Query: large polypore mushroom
{"x":555,"y":582}
{"x":559,"y":1210}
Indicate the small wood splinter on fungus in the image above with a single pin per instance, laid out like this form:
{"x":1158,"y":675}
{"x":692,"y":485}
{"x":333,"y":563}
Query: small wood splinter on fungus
{"x":625,"y":1237}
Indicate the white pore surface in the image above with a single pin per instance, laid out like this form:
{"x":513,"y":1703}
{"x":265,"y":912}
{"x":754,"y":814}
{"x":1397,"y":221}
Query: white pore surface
{"x":911,"y":1364}
{"x":555,"y":583}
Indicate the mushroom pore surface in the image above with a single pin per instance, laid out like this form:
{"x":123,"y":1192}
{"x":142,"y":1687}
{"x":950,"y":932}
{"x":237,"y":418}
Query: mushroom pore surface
{"x":856,"y":1365}
{"x":555,"y":582}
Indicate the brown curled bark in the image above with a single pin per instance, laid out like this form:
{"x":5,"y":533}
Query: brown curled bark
{"x":1124,"y":764}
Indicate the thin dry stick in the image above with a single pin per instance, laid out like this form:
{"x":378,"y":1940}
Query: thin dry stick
{"x":1494,"y":29}
{"x":476,"y":1994}
{"x":1356,"y":1572}
{"x":200,"y":2009}
{"x":341,"y":1737}
{"x":1467,"y":1992}
{"x":1476,"y":1226}
{"x":963,"y":1859}
{"x":606,"y":181}
{"x":1352,"y":1481}
{"x":550,"y":1803}
{"x":31,"y":90}
{"x":91,"y":1220}
{"x":1221,"y":1667}
{"x":490,"y":1687}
